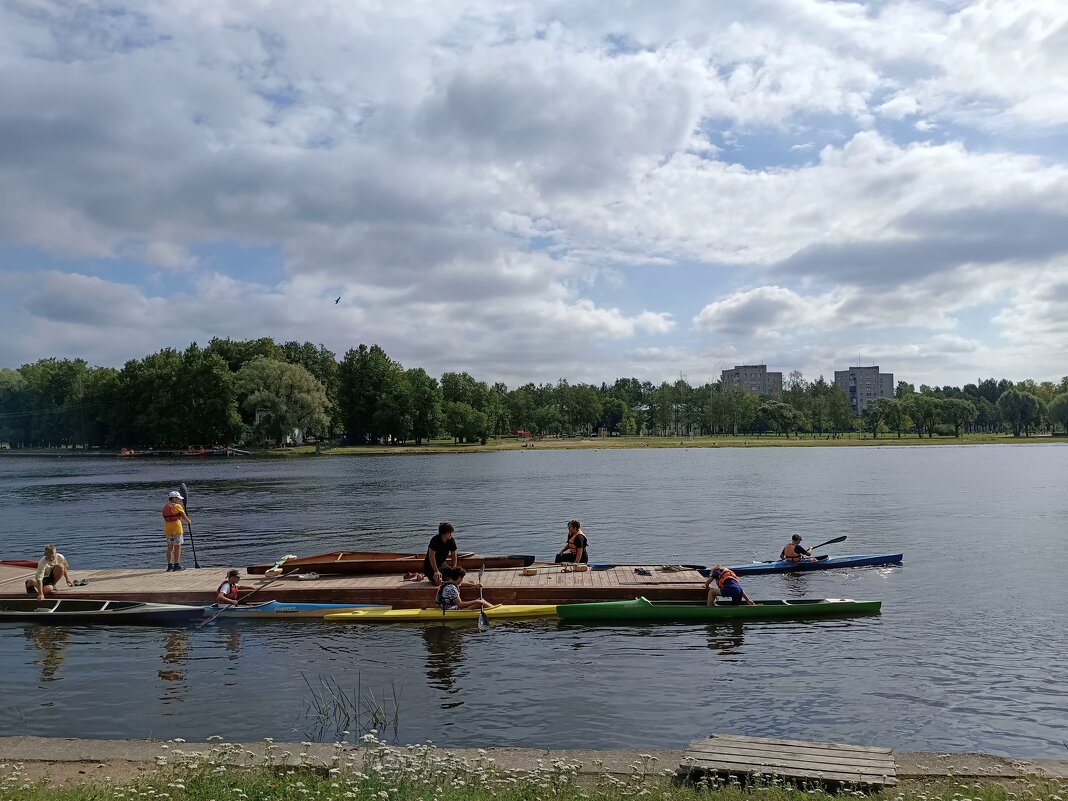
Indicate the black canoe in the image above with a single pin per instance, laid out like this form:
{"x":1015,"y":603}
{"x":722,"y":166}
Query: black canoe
{"x":61,"y":611}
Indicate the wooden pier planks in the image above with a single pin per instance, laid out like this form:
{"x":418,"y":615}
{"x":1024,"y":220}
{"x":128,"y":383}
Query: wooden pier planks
{"x":797,"y":761}
{"x":508,"y":586}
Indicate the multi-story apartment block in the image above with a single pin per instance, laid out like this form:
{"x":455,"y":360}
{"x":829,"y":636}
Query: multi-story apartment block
{"x":863,"y":385}
{"x":754,"y":377}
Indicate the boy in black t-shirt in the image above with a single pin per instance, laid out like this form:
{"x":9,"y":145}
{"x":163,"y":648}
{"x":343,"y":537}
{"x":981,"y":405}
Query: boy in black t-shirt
{"x":442,"y":550}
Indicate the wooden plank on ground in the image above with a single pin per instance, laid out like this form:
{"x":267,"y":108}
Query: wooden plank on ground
{"x":792,"y":760}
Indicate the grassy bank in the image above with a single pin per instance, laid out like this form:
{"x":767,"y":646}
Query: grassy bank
{"x":617,"y":443}
{"x":422,"y":773}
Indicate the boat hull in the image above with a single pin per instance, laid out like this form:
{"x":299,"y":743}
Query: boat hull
{"x":370,"y":562}
{"x":641,"y":610}
{"x":279,"y":610}
{"x":828,"y":563}
{"x":435,"y":615}
{"x":109,"y":613}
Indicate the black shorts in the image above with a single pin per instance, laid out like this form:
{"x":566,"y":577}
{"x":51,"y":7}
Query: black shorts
{"x":48,"y":581}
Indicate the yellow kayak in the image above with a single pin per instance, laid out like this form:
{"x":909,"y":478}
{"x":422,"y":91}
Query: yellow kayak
{"x":434,"y":614}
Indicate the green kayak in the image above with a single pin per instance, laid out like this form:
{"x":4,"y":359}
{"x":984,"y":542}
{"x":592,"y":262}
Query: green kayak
{"x":642,"y":609}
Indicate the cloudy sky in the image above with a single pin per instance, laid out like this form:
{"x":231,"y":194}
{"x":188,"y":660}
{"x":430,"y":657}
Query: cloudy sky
{"x":530,"y":191}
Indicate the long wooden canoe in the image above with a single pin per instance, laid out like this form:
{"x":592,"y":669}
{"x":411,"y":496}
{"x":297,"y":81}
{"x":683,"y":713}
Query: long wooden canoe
{"x":819,"y":563}
{"x":109,"y":613}
{"x":380,"y":562}
{"x":643,"y":610}
{"x":435,"y":615}
{"x":280,"y":610}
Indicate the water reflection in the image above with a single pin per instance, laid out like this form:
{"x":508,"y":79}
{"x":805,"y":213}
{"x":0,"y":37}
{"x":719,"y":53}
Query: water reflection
{"x":175,"y":655}
{"x":52,"y":642}
{"x":444,"y":648}
{"x":726,"y":637}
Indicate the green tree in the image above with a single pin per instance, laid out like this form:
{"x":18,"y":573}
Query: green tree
{"x":321,"y":362}
{"x":283,"y":397}
{"x":894,"y":415}
{"x":425,"y":405}
{"x":839,"y":411}
{"x":12,"y":406}
{"x":239,"y":352}
{"x":1058,"y":411}
{"x":780,"y":416}
{"x":958,"y":412}
{"x":873,"y":415}
{"x":1018,"y":409}
{"x":465,"y":423}
{"x":925,"y":411}
{"x":363,"y":376}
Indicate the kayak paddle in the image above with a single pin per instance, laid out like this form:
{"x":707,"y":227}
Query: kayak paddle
{"x":193,"y":545}
{"x":483,"y":619}
{"x":829,"y":542}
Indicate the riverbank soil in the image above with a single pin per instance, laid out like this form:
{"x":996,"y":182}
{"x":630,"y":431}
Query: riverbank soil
{"x":44,"y":763}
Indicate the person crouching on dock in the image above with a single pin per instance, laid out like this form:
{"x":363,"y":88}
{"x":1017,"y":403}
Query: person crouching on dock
{"x":727,"y":585}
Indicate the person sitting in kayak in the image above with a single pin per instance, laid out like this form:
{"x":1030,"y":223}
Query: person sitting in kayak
{"x":727,"y":585}
{"x":442,"y":549}
{"x":574,"y":549}
{"x":794,"y":552}
{"x":448,"y":594}
{"x":229,"y":590}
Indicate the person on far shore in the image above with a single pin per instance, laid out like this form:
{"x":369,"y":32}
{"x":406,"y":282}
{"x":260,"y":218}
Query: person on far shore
{"x":574,"y":549}
{"x":793,"y":552}
{"x":727,"y":585}
{"x":228,"y":592}
{"x":448,"y":594}
{"x":173,"y":515}
{"x":442,"y":550}
{"x":51,"y":569}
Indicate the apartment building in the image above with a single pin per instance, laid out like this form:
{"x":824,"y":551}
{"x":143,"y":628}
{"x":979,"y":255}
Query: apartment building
{"x":754,"y":377}
{"x":863,"y":385}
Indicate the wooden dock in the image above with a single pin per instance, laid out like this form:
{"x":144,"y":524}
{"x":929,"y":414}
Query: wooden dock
{"x":550,"y":585}
{"x":795,"y":761}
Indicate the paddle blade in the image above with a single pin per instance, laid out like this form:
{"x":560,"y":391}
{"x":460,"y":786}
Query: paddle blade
{"x":483,"y":620}
{"x":185,"y":495}
{"x":829,"y":542}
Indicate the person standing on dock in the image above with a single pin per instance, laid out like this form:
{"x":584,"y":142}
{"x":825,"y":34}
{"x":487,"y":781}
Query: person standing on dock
{"x":727,"y":585}
{"x":574,"y":549}
{"x":173,"y":515}
{"x":442,"y":550}
{"x":51,"y":569}
{"x":793,"y":552}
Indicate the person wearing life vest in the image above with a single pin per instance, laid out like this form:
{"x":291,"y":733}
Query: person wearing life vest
{"x":173,"y":515}
{"x":794,"y":552}
{"x":727,"y":585}
{"x":574,"y":549}
{"x":227,"y":594}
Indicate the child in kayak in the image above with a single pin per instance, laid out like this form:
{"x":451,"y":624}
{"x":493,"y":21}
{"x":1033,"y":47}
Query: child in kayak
{"x":727,"y":585}
{"x":448,"y":594}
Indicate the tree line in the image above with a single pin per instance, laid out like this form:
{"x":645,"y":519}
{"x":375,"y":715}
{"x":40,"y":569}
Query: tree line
{"x":259,"y":391}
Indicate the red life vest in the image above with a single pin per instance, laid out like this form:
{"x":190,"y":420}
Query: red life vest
{"x":169,"y":514}
{"x":725,"y":575}
{"x":791,"y":553}
{"x":232,"y":595}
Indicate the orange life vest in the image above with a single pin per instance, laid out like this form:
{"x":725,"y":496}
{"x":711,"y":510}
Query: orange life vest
{"x":571,"y":542}
{"x":232,"y":595}
{"x":725,"y":575}
{"x":791,"y":552}
{"x":169,"y":514}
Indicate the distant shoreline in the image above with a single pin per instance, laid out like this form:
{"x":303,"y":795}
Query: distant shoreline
{"x":577,"y":443}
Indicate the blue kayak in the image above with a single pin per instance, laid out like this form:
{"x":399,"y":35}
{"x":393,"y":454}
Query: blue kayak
{"x":821,"y":563}
{"x":282,"y":609}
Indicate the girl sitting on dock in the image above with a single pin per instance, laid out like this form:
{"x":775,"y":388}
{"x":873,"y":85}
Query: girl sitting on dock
{"x":448,"y":594}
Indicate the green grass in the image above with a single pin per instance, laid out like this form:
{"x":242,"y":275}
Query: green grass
{"x":423,"y":773}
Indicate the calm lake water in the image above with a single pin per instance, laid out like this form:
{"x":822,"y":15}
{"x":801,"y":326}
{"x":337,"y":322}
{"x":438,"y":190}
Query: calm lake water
{"x":970,"y":653}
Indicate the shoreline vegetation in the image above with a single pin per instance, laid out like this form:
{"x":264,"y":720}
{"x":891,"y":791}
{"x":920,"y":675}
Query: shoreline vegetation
{"x":376,"y":772}
{"x":502,"y":444}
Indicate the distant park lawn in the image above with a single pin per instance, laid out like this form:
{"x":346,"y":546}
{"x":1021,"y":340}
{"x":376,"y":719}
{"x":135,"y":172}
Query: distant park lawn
{"x":852,"y":439}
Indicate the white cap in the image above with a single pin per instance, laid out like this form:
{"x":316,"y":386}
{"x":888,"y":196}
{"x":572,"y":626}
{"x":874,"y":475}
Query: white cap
{"x":175,"y":494}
